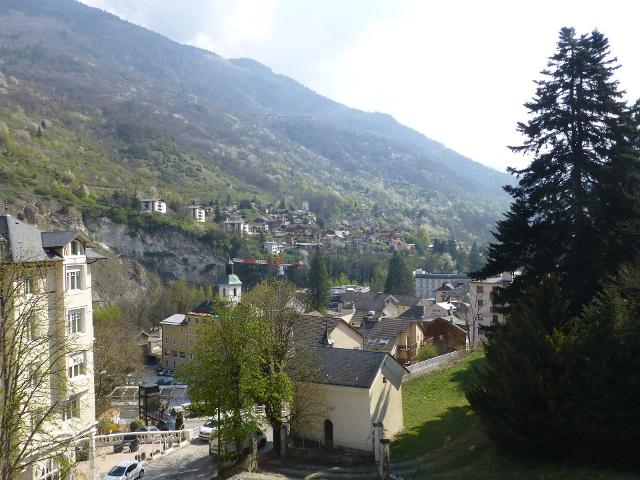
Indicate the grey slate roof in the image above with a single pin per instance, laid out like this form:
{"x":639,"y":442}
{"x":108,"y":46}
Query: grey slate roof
{"x":310,"y":330}
{"x":414,"y":313}
{"x":207,"y":306}
{"x":349,"y":368}
{"x":367,"y":301}
{"x":24,"y":241}
{"x":407,"y":300}
{"x":58,"y":239}
{"x":382,"y":335}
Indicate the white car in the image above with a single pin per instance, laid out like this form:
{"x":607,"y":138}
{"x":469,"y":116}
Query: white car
{"x":206,"y":429}
{"x":126,"y":471}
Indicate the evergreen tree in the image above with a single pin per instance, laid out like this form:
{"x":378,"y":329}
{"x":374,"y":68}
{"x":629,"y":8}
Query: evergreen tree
{"x":569,"y":203}
{"x":522,"y":395}
{"x":475,"y":259}
{"x":319,"y":293}
{"x":399,"y":277}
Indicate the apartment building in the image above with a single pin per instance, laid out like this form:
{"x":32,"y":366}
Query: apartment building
{"x":153,"y":205}
{"x":56,"y":301}
{"x":427,"y":283}
{"x":480,"y":294}
{"x":197,"y":213}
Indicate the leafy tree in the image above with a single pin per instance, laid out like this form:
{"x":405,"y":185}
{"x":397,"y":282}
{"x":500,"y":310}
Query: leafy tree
{"x":399,"y":277}
{"x":319,"y":284}
{"x":227,"y":372}
{"x":272,"y":300}
{"x":569,"y":203}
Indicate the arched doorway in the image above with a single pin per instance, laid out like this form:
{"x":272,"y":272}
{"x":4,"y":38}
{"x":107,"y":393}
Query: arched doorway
{"x":328,"y":434}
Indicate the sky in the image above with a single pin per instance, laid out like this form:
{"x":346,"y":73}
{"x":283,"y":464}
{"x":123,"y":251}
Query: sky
{"x":458,"y":71}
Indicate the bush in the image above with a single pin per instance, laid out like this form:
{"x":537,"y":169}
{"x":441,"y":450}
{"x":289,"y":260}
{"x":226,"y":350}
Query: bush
{"x":136,"y":425}
{"x":426,"y":352}
{"x":105,"y":428}
{"x":197,"y":409}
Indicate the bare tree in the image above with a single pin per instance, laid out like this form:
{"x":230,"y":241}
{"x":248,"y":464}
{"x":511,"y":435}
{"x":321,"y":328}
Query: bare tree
{"x":33,"y":371}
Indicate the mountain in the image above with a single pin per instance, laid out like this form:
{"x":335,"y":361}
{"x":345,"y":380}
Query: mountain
{"x":125,"y":108}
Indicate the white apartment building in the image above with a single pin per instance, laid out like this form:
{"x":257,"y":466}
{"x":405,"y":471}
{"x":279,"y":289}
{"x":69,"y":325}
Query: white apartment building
{"x":236,"y":225}
{"x":480,"y":293}
{"x":153,"y":205}
{"x":273,"y":248}
{"x":427,"y":283}
{"x":64,"y":312}
{"x":197,"y":213}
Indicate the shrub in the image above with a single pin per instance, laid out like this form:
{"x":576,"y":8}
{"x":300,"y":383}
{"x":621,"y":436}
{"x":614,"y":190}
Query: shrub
{"x":135,"y":425}
{"x":426,"y":352}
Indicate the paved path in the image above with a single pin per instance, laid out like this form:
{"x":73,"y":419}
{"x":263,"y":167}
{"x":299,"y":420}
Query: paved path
{"x":192,"y":462}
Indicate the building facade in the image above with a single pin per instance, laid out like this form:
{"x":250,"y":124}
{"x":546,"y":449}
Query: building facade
{"x":153,"y":205}
{"x":197,"y":213}
{"x":59,"y":305}
{"x":427,"y":283}
{"x":480,"y":293}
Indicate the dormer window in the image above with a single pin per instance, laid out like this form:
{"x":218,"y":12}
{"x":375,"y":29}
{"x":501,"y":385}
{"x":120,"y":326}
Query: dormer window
{"x":76,"y":248}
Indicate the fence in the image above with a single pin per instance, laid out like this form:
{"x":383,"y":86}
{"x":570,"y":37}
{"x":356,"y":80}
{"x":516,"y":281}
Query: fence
{"x":426,"y":365}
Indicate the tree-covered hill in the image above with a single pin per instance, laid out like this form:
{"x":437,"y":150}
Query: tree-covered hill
{"x":126,"y":108}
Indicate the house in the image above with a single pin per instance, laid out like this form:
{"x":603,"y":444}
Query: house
{"x":237,"y":226}
{"x":150,"y":344}
{"x":482,"y":303}
{"x":153,"y":205}
{"x":319,"y":331}
{"x":197,"y":213}
{"x":407,"y":302}
{"x":441,"y":309}
{"x":427,"y":283}
{"x":62,"y":262}
{"x":400,"y":337}
{"x":452,"y":292}
{"x":355,"y":390}
{"x":447,"y":336}
{"x":367,"y":304}
{"x":273,"y":247}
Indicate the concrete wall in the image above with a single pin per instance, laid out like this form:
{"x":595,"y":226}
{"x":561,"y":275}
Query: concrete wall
{"x":385,"y":405}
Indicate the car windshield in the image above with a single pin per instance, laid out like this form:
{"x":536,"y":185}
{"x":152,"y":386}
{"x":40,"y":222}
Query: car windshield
{"x":210,"y":424}
{"x":117,"y":471}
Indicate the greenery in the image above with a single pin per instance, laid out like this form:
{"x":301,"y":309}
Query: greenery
{"x":135,"y":425}
{"x":319,"y":285}
{"x":399,"y":277}
{"x":426,"y":352}
{"x":561,"y":375}
{"x":573,"y":203}
{"x":444,"y":439}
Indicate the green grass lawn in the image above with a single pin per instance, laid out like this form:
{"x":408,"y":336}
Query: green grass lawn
{"x":445,"y":439}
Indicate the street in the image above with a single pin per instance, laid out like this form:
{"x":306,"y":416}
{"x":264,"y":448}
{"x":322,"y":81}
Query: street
{"x":192,"y":462}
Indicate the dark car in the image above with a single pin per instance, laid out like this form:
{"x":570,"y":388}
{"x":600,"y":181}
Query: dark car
{"x":130,"y":440}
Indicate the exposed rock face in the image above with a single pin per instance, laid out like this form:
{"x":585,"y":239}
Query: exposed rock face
{"x":170,"y":254}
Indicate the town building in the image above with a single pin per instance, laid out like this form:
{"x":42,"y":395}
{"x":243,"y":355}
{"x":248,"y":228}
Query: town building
{"x":444,"y":334}
{"x":229,"y":285}
{"x":427,"y":283}
{"x":358,"y":388}
{"x":273,"y":247}
{"x":63,"y":316}
{"x":400,"y":337}
{"x":480,"y":296}
{"x":197,"y":213}
{"x":237,"y":226}
{"x":319,"y":331}
{"x":153,"y":205}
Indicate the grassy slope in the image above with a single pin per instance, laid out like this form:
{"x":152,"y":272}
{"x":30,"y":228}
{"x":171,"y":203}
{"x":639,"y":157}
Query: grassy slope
{"x":443,"y":437}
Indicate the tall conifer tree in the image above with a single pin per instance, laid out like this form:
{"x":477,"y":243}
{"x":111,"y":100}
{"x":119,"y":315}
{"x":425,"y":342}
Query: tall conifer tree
{"x":319,"y":293}
{"x":399,"y":278}
{"x":569,"y":203}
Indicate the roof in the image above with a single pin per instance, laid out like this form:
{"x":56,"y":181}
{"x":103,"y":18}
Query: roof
{"x":207,"y":306}
{"x":229,"y":280}
{"x":349,"y":368}
{"x":28,"y":243}
{"x":175,"y":319}
{"x":415,"y":313}
{"x":407,"y":300}
{"x":310,"y":329}
{"x":460,"y":276}
{"x":367,"y":300}
{"x":382,"y":334}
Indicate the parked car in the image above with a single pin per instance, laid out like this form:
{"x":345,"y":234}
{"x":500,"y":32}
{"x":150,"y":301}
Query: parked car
{"x":159,"y":370}
{"x":168,"y":423}
{"x":167,"y":381}
{"x":129,"y":440}
{"x":206,"y":429}
{"x":126,"y":470}
{"x":259,"y":435}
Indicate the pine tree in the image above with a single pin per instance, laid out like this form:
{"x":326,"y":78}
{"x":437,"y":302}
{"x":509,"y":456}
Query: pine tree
{"x":399,"y":277}
{"x":566,"y":218}
{"x":475,"y":258}
{"x":522,"y":395}
{"x":319,"y":293}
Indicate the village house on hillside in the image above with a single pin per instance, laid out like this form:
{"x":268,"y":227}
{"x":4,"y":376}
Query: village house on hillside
{"x":153,"y":205}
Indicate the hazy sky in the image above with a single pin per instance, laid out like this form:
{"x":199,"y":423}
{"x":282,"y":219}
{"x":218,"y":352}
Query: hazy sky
{"x":457,"y":71}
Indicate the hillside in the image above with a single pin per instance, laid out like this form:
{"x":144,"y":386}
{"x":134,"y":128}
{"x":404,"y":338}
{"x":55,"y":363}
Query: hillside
{"x":128,"y":109}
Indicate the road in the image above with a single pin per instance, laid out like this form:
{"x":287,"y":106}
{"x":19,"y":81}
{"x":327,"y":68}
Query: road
{"x":192,"y":462}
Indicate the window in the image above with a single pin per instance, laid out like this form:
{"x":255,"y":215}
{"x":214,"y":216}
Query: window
{"x":48,"y":470}
{"x":71,"y":408}
{"x":190,"y":332}
{"x":174,"y":340}
{"x":76,"y":248}
{"x":166,"y":340}
{"x":174,"y":353}
{"x":166,"y":353}
{"x":182,"y":355}
{"x":30,"y":286}
{"x":224,"y":292}
{"x":384,"y":379}
{"x":31,"y":330}
{"x":73,"y":279}
{"x":480,"y":289}
{"x":181,"y":341}
{"x":75,"y":321}
{"x":191,"y":356}
{"x":190,"y":342}
{"x":480,"y":303}
{"x":77,"y":364}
